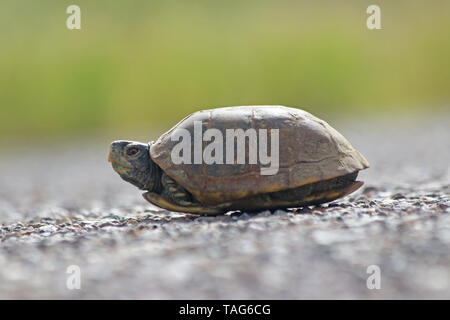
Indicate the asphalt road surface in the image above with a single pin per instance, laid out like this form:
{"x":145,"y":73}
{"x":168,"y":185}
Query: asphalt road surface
{"x":62,"y":205}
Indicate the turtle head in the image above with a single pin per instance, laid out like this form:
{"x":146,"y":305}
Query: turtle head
{"x":131,"y":160}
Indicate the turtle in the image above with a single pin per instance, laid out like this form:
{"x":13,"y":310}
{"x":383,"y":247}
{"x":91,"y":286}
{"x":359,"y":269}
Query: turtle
{"x":316,"y":164}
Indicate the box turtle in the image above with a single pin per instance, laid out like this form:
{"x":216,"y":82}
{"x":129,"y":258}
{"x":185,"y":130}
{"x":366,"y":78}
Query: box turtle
{"x":315,"y":163}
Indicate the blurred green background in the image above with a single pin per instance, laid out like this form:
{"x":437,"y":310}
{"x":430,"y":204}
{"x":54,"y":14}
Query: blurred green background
{"x":147,"y":64}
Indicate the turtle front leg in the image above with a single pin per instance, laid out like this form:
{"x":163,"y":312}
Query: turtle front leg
{"x":174,"y":197}
{"x":175,"y":193}
{"x":162,"y":202}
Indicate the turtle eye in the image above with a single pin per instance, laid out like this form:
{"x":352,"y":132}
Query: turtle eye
{"x":132,"y":151}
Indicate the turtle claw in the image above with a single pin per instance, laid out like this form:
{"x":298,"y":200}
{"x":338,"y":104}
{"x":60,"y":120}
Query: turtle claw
{"x":185,"y":203}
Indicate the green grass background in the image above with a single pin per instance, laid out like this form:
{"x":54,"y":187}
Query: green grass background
{"x":143,"y":64}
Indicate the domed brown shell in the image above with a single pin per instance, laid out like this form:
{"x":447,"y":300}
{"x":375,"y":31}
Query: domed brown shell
{"x":310,"y":150}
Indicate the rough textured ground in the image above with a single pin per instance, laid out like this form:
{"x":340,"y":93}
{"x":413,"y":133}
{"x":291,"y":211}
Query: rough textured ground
{"x":63,"y":205}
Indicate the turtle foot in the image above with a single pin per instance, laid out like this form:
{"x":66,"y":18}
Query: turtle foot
{"x":162,"y":202}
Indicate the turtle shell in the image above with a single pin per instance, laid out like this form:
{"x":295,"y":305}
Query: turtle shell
{"x":310,"y":150}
